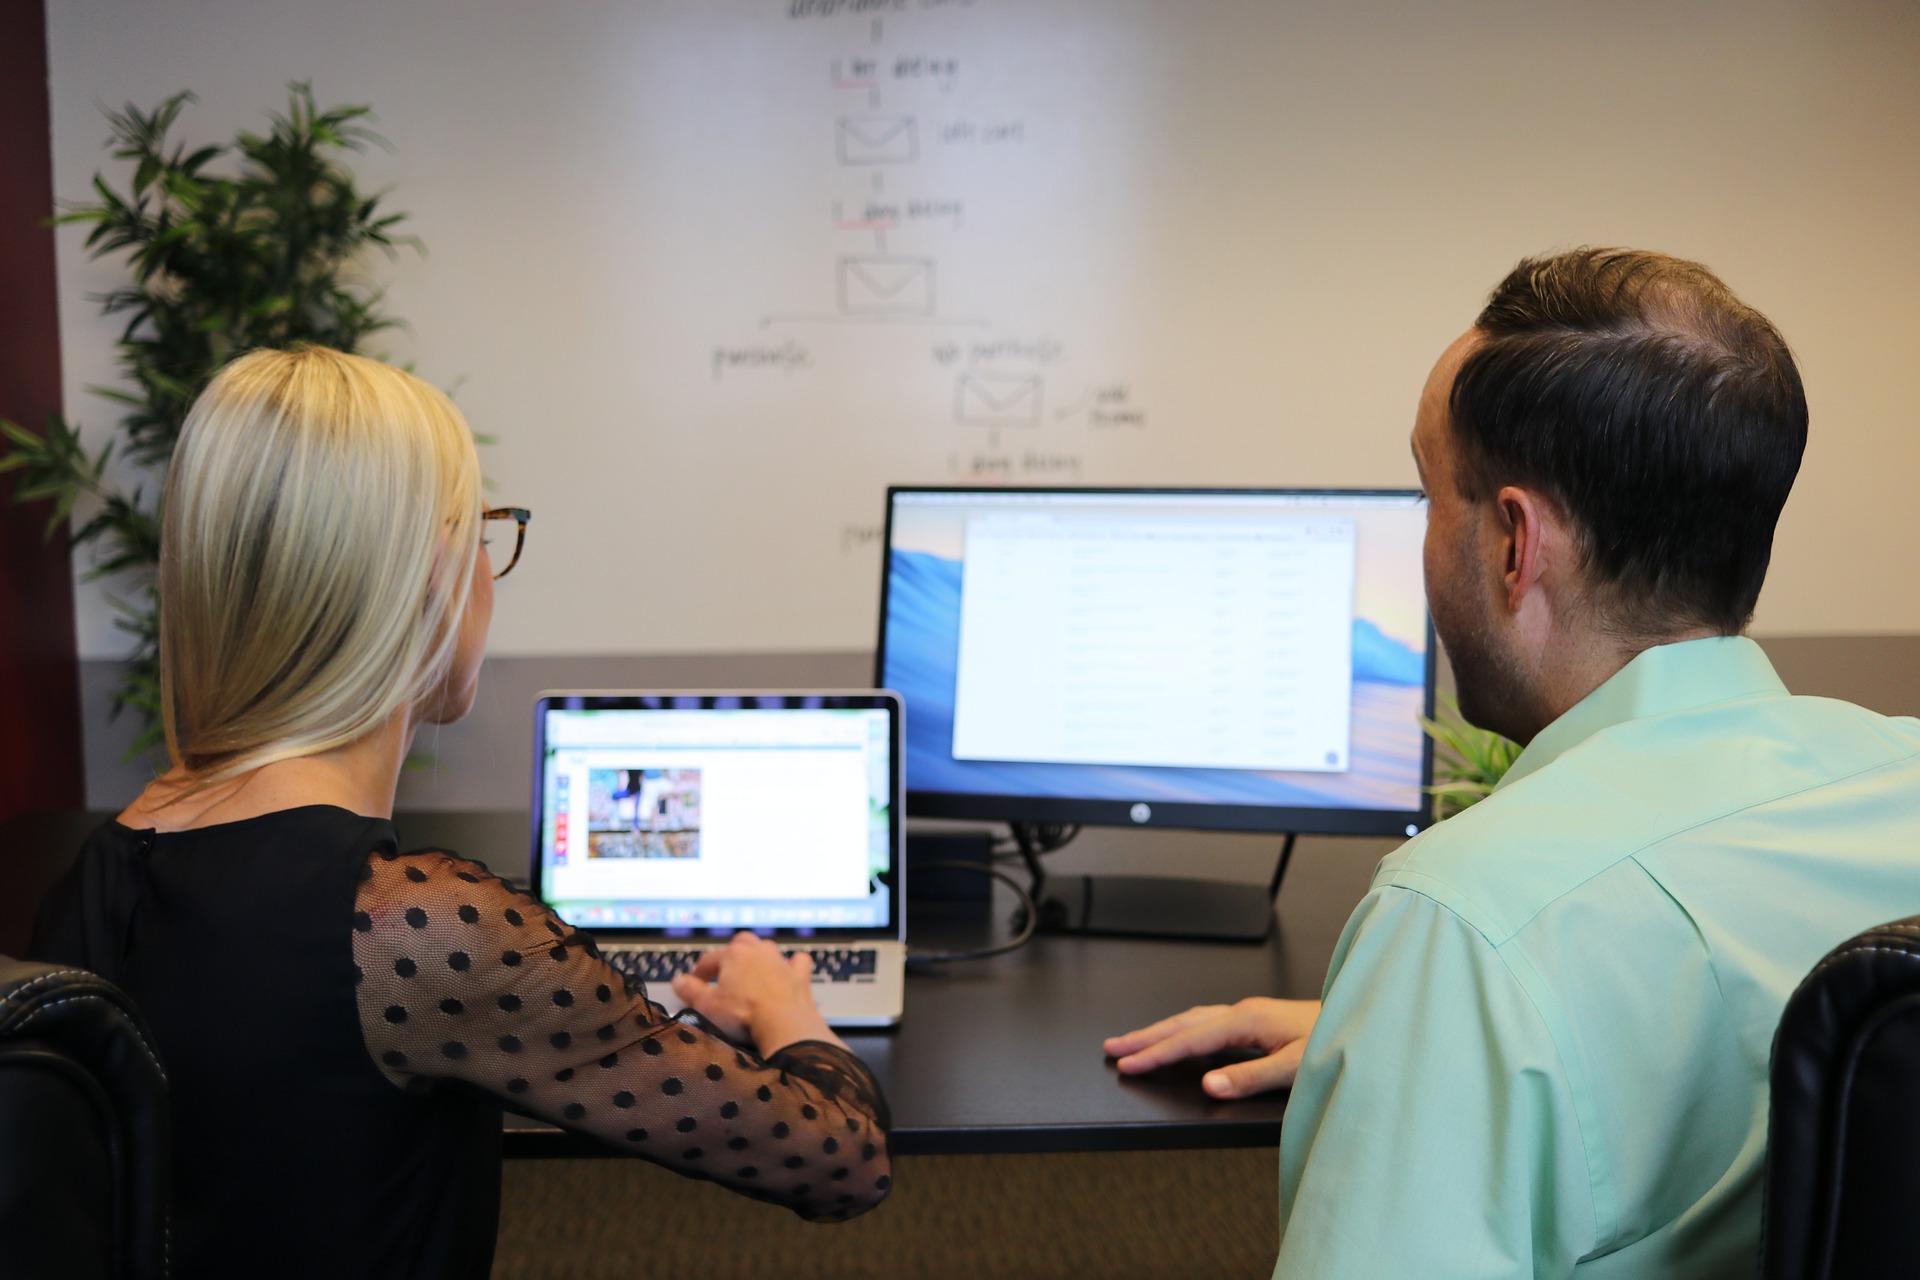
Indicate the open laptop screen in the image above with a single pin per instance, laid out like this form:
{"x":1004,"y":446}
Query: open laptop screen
{"x":690,"y":814}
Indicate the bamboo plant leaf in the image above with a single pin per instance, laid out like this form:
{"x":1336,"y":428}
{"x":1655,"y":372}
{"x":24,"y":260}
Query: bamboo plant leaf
{"x":1469,"y":761}
{"x":267,"y":249}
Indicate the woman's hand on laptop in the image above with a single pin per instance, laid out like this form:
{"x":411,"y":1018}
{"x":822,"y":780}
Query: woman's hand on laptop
{"x":749,"y":990}
{"x":1277,"y":1028}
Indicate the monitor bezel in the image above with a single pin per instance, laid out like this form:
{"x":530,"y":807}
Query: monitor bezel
{"x":704,"y":699}
{"x":1161,"y":814}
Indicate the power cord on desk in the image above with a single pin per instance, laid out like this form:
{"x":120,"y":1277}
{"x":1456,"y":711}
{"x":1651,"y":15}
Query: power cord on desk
{"x":1020,"y":939}
{"x":1036,"y":838}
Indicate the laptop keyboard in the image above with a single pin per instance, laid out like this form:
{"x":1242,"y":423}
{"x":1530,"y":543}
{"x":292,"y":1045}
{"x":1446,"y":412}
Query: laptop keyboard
{"x":830,"y":964}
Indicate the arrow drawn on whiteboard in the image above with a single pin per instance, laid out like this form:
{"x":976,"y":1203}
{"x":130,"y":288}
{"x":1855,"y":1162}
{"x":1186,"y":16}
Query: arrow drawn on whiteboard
{"x":1067,"y":411}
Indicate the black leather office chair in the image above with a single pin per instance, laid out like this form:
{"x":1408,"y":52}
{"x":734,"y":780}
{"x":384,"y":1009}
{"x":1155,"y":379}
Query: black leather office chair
{"x":1843,"y":1183}
{"x":84,"y":1137}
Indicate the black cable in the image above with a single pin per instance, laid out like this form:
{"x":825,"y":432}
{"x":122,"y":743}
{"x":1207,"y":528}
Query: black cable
{"x":1280,"y":872}
{"x":1052,"y":837}
{"x":1019,"y":940}
{"x":1025,"y":838}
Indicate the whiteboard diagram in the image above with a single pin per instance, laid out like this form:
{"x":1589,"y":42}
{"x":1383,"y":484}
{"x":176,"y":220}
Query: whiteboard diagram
{"x":877,"y":140}
{"x":986,"y":399}
{"x":891,"y":162}
{"x":878,"y":285}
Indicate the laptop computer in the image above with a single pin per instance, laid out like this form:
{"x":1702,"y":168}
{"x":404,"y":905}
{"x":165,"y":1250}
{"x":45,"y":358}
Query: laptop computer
{"x":665,"y":822}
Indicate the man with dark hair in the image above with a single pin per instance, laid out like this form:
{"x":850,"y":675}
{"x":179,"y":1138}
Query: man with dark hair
{"x":1545,"y":1033}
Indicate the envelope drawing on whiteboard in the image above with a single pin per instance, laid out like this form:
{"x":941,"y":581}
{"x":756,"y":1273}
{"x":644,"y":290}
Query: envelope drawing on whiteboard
{"x":997,"y":399}
{"x":876,"y":285}
{"x":877,"y":140}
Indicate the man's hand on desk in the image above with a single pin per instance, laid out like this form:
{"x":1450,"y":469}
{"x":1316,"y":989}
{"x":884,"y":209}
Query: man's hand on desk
{"x":1276,"y":1028}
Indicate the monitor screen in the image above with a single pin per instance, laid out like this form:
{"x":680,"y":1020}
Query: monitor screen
{"x":1237,"y":660}
{"x":714,"y":813}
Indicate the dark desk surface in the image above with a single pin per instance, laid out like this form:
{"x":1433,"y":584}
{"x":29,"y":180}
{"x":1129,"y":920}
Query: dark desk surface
{"x":1003,"y":1055}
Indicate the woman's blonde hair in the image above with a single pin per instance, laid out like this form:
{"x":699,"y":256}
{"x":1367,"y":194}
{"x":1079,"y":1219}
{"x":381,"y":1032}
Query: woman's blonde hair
{"x":316,"y":554}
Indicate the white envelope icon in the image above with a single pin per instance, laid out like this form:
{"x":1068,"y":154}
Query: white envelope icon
{"x":877,"y":285}
{"x":997,"y":399}
{"x":877,"y":140}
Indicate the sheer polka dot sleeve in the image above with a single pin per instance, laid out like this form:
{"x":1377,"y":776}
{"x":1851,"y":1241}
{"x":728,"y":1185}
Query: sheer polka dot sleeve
{"x":464,"y":978}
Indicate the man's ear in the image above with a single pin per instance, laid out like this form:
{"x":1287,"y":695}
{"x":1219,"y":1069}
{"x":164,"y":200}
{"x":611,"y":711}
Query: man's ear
{"x":1526,"y":527}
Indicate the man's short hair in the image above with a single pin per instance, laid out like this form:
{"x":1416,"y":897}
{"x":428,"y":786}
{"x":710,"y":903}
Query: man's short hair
{"x":1661,"y":414}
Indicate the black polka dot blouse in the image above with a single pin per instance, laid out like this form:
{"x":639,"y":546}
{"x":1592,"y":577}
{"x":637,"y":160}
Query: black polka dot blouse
{"x":463,"y":978}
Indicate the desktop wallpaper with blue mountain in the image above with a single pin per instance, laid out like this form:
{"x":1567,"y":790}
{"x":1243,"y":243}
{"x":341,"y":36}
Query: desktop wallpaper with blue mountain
{"x":922,"y":659}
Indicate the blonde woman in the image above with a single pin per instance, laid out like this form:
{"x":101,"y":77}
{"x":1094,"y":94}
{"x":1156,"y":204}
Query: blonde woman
{"x":341,"y":1020}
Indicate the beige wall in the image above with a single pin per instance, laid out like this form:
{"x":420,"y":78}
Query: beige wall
{"x":1262,"y":219}
{"x":485,"y":761}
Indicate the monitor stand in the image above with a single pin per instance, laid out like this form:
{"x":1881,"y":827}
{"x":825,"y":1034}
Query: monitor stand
{"x":1153,"y":906}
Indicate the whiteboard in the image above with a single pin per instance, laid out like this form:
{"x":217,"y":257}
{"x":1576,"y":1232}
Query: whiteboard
{"x":715,"y":273}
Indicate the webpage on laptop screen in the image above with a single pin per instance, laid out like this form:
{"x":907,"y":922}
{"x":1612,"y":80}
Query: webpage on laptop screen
{"x":717,"y":818}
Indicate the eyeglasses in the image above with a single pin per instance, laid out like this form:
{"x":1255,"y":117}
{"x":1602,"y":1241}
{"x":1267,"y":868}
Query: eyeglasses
{"x":495,"y":535}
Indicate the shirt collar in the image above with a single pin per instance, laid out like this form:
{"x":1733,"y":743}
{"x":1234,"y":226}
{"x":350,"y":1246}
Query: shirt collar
{"x":1660,"y":680}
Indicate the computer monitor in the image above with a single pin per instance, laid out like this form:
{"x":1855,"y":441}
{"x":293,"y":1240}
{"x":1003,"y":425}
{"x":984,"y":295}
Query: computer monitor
{"x":1238,"y":660}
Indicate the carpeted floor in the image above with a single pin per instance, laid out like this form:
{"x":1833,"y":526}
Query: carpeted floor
{"x":1163,"y":1215}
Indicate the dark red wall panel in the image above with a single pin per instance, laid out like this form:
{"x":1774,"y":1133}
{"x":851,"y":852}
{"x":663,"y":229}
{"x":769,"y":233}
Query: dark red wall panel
{"x":40,"y":763}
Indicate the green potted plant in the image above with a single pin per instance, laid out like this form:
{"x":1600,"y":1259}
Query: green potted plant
{"x":1468,"y":762}
{"x":230,"y":247}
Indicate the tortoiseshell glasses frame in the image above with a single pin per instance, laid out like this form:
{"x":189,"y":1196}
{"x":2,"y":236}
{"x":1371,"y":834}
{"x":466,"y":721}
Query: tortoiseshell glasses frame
{"x":519,"y":516}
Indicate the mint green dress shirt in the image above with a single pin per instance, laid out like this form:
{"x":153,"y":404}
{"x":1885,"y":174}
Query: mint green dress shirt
{"x":1545,"y":1040}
